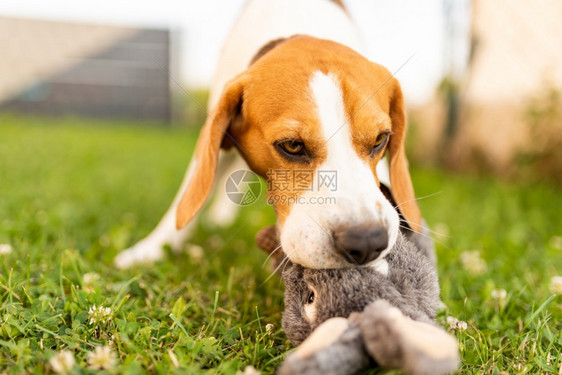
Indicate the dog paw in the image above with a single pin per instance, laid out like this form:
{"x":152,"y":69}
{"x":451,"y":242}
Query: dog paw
{"x":142,"y":253}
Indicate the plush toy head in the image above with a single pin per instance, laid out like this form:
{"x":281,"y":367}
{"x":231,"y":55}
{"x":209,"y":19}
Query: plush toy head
{"x":391,"y":307}
{"x":312,"y":296}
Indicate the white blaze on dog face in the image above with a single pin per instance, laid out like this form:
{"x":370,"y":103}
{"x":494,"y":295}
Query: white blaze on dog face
{"x":319,"y":109}
{"x":354,"y":200}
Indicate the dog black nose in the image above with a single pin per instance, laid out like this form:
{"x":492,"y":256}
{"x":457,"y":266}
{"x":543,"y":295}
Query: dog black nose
{"x":360,"y":246}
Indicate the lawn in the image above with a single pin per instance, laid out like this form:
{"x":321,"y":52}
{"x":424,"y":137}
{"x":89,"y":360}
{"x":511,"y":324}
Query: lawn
{"x":75,"y":192}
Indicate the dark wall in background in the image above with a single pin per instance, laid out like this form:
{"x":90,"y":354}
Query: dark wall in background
{"x":129,"y":79}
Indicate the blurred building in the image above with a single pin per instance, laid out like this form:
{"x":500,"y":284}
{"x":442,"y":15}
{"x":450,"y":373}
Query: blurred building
{"x":503,"y":111}
{"x":516,"y":65}
{"x":58,"y":68}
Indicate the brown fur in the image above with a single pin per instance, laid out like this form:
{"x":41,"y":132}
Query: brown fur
{"x":271,"y":101}
{"x":266,"y":48}
{"x":340,"y":4}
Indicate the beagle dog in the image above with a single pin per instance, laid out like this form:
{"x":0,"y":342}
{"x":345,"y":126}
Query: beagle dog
{"x":293,"y":93}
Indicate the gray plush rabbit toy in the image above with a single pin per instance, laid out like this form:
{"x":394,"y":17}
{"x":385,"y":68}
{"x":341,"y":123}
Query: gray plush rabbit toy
{"x":348,"y":320}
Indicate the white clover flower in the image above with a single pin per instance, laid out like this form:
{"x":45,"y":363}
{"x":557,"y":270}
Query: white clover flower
{"x":5,"y":248}
{"x":472,"y":262}
{"x":498,"y":294}
{"x":249,"y":370}
{"x":62,"y":362}
{"x":99,"y":314}
{"x":195,"y":253}
{"x":520,"y":367}
{"x":452,"y":322}
{"x":89,"y":280}
{"x":456,"y":325}
{"x":102,"y":358}
{"x":270,"y":329}
{"x":556,"y":285}
{"x":441,"y":230}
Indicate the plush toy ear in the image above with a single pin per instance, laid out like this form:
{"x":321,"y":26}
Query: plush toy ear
{"x":267,"y":239}
{"x":207,"y":150}
{"x":400,"y":181}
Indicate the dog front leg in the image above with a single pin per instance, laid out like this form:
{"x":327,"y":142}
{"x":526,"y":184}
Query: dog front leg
{"x":150,"y":248}
{"x":223,"y":211}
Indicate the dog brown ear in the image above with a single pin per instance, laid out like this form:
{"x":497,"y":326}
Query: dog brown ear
{"x":207,"y":150}
{"x":400,"y":181}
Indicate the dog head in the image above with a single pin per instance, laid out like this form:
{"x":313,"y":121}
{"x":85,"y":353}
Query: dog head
{"x":314,"y":118}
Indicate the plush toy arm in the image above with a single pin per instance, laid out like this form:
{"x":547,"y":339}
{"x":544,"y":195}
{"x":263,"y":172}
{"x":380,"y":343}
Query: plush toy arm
{"x":398,"y":342}
{"x":335,"y":347}
{"x":380,"y":333}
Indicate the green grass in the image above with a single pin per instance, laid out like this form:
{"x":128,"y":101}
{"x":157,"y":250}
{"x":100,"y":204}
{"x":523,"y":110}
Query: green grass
{"x":75,"y":192}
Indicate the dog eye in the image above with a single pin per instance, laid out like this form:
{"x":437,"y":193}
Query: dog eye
{"x":292,"y":147}
{"x":310,"y":298}
{"x":380,"y":142}
{"x":293,"y":150}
